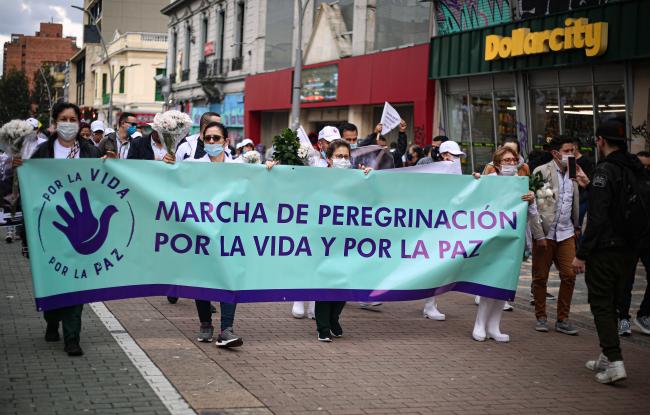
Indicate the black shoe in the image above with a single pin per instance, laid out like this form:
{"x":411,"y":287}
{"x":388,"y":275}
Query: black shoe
{"x":213,"y":309}
{"x":52,"y":333}
{"x":172,"y":300}
{"x":73,"y":349}
{"x":336,"y":330}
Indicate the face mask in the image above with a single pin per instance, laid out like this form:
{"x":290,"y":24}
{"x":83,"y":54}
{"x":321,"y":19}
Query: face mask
{"x":67,"y":131}
{"x":131,"y":130}
{"x":508,"y":170}
{"x":353,"y":146}
{"x":565,"y":160}
{"x":213,"y":150}
{"x":435,"y":153}
{"x":341,"y":164}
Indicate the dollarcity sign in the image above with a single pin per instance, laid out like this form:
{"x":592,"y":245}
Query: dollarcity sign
{"x":577,"y":34}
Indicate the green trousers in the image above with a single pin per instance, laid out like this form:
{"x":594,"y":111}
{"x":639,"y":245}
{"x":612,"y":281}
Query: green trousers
{"x":606,"y":275}
{"x":327,"y":316}
{"x":71,"y":319}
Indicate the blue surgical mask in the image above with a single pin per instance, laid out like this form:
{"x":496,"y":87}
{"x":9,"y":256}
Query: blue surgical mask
{"x":353,"y":146}
{"x":324,"y":154}
{"x":131,"y":130}
{"x":213,"y":150}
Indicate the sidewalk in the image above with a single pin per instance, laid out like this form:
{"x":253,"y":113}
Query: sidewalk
{"x":393,"y":361}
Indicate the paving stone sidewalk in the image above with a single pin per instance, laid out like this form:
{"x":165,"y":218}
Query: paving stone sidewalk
{"x":37,"y":377}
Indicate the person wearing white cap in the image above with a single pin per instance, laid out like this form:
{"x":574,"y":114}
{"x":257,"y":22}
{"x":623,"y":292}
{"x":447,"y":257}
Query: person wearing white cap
{"x":97,"y":128}
{"x":449,"y":151}
{"x":247,"y":145}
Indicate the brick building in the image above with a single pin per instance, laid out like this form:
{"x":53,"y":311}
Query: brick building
{"x":30,"y":52}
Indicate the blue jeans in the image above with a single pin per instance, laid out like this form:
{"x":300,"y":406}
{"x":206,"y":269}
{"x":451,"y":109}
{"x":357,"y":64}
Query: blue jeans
{"x":227,"y":313}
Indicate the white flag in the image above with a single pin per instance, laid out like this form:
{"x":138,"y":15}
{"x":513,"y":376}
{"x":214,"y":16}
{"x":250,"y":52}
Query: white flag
{"x":302,"y":136}
{"x":389,"y":119}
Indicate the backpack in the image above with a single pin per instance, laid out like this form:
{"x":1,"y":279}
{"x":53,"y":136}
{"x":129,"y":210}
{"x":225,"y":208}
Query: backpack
{"x":634,"y":207}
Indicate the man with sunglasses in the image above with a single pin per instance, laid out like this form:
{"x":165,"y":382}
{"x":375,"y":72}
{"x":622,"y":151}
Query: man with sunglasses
{"x":118,"y":146}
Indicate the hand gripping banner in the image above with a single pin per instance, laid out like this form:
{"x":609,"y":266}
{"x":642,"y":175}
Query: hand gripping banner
{"x":102,"y":230}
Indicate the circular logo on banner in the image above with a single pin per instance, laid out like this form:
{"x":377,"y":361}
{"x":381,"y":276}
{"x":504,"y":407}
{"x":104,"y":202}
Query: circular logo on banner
{"x":86,"y":223}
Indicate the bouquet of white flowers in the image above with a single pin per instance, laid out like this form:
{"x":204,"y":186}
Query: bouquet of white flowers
{"x":252,"y":157}
{"x":173,"y":126}
{"x":545,"y":195}
{"x":18,"y":138}
{"x":14,"y":135}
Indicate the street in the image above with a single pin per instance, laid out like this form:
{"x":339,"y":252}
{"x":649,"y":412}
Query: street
{"x":393,"y":361}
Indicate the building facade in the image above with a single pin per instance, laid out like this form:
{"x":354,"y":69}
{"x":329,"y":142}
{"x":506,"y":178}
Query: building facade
{"x":236,"y":57}
{"x":535,"y":69}
{"x":119,"y":22}
{"x":29,"y":53}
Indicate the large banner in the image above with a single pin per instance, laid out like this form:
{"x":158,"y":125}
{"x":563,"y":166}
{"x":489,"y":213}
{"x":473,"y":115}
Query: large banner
{"x":101,"y":230}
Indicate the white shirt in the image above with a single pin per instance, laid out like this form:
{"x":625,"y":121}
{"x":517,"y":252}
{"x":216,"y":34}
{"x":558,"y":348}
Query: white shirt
{"x":562,"y":227}
{"x":158,"y":152}
{"x":61,"y":152}
{"x":122,"y":148}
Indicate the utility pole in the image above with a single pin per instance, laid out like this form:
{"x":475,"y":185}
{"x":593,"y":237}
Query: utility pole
{"x":93,"y":22}
{"x":297,"y":69}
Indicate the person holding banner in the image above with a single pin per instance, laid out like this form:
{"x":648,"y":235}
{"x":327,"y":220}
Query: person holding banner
{"x":488,"y":317}
{"x":210,"y":148}
{"x":65,"y":143}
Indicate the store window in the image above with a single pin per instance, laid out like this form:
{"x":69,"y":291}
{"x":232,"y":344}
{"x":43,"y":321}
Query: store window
{"x":481,"y":113}
{"x":401,"y":22}
{"x":545,"y":115}
{"x":279,"y":34}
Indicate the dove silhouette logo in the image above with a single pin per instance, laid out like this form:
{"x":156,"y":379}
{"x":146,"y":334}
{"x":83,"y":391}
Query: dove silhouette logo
{"x":86,"y":224}
{"x":85,"y":233}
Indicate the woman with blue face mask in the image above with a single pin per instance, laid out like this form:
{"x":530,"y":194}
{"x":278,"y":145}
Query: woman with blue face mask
{"x":210,"y":149}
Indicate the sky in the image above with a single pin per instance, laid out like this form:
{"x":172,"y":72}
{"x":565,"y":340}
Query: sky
{"x":24,"y":16}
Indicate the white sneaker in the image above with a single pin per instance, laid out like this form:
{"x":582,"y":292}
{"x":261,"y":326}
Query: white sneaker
{"x":477,"y":299}
{"x":599,"y":364}
{"x":370,"y":306}
{"x":298,"y":309}
{"x":311,"y":310}
{"x":507,"y":307}
{"x":615,"y":372}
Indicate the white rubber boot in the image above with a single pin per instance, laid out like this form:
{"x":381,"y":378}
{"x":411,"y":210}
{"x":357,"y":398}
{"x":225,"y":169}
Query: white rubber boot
{"x":479,"y":333}
{"x":598,"y":365}
{"x":615,"y":372}
{"x":311,"y":309}
{"x":494,"y":320}
{"x":477,"y":299}
{"x":298,"y":310}
{"x":431,"y":310}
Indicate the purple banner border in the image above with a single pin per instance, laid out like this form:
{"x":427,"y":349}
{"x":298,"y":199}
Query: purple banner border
{"x":270,"y":295}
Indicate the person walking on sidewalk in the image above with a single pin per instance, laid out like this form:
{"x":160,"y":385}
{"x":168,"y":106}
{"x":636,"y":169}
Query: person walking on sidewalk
{"x":559,"y":225}
{"x":609,"y":250}
{"x":65,"y":143}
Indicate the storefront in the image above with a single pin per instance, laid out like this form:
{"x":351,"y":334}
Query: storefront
{"x":537,"y":78}
{"x":352,"y":89}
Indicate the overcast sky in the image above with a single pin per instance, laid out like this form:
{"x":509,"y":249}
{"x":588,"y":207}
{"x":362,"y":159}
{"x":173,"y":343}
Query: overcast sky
{"x":24,"y":16}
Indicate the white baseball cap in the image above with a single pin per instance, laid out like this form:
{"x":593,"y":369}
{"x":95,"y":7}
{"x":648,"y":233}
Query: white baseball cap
{"x":247,"y":142}
{"x":329,"y":134}
{"x":109,"y":131}
{"x":239,"y":145}
{"x":33,"y":121}
{"x":96,"y":126}
{"x":452,"y":148}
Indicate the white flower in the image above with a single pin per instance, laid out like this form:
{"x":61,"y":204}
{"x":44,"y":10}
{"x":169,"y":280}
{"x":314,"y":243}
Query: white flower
{"x":548,"y":193}
{"x":13,"y":135}
{"x":303,"y":152}
{"x":252,"y":157}
{"x":173,"y":126}
{"x":540,"y":194}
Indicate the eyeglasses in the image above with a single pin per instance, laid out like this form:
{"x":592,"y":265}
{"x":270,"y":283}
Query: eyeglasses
{"x":211,"y":138}
{"x":509,"y":161}
{"x":341,"y":157}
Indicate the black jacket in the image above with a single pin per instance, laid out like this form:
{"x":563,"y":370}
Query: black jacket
{"x":140,"y":149}
{"x":604,"y":204}
{"x":46,"y":150}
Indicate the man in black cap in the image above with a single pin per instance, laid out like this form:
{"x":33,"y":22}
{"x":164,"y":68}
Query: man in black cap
{"x":605,"y":252}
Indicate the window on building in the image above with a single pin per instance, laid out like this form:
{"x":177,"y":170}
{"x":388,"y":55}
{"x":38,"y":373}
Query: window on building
{"x":186,"y":49}
{"x":81,"y":79}
{"x":158,"y":93}
{"x":104,"y":88}
{"x":239,"y":29}
{"x":401,"y":22}
{"x":204,"y":37}
{"x":121,"y":79}
{"x":221,"y":40}
{"x":279,"y":34}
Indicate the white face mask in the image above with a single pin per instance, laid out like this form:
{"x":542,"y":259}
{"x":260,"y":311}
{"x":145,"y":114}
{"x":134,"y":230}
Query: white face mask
{"x":565,"y":160}
{"x":341,"y":164}
{"x":508,"y":170}
{"x":67,"y":131}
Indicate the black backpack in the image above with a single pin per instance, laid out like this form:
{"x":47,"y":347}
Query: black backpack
{"x":634,"y":207}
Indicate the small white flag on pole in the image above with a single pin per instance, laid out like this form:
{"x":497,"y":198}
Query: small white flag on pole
{"x":302,"y":136}
{"x":389,"y":119}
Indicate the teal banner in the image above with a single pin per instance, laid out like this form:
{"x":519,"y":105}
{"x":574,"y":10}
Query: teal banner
{"x":102,"y":230}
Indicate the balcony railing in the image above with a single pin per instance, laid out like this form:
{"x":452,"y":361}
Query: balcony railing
{"x":213,"y":69}
{"x":203,"y":69}
{"x":185,"y":75}
{"x":237,"y":63}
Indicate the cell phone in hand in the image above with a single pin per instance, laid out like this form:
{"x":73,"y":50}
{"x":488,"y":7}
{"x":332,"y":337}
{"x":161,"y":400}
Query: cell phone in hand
{"x":572,"y":167}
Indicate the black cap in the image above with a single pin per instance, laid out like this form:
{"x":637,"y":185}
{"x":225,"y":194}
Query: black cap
{"x":612,"y":130}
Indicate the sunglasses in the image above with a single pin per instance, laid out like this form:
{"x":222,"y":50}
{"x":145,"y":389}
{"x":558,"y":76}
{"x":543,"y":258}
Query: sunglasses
{"x":212,"y":138}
